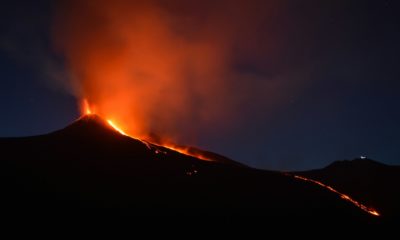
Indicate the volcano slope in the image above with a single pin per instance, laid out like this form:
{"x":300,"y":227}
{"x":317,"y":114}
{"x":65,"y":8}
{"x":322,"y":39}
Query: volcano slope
{"x":89,"y":169}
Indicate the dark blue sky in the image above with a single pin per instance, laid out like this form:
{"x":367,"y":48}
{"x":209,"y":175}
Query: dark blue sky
{"x":343,"y":56}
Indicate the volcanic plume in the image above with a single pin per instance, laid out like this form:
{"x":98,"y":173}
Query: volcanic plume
{"x":159,"y":69}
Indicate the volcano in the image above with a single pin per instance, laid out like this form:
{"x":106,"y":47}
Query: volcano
{"x":89,"y":168}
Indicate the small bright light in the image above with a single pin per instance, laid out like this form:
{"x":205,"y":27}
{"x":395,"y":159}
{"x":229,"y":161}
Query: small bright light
{"x":363,"y":157}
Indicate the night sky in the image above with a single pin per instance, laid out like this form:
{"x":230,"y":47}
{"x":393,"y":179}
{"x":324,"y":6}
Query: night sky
{"x":331,"y":67}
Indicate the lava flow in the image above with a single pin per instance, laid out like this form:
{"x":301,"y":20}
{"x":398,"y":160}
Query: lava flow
{"x":87,"y":110}
{"x":116,"y":128}
{"x":342,"y":195}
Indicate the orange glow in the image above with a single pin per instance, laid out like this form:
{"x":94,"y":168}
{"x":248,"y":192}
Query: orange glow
{"x":153,"y":146}
{"x":86,"y":107}
{"x":139,"y":62}
{"x":186,"y":151}
{"x":116,"y":128}
{"x":87,"y":110}
{"x":170,"y":73}
{"x":342,"y":195}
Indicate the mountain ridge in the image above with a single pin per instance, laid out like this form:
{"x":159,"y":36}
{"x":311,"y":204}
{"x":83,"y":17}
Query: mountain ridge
{"x":88,"y":165}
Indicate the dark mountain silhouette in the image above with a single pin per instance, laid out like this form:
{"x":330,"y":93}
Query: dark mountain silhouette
{"x":374,"y":183}
{"x":89,"y":169}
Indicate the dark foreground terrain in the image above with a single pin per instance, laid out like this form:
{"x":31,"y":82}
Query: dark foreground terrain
{"x":90,"y":170}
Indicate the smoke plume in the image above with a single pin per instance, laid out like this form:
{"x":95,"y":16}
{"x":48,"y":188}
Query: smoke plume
{"x":167,"y":68}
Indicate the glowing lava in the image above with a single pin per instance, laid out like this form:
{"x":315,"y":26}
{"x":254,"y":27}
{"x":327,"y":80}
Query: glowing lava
{"x":88,"y":110}
{"x":86,"y":107}
{"x":182,"y":150}
{"x":116,"y":128}
{"x":342,"y":195}
{"x":186,"y":151}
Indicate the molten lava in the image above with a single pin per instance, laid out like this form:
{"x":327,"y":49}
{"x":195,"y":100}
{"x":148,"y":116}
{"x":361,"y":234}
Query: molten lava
{"x":186,"y":151}
{"x":88,"y":110}
{"x":342,"y":195}
{"x":116,"y":128}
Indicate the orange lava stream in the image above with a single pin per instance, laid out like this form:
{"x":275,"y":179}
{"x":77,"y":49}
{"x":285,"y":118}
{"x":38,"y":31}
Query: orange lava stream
{"x":185,"y":151}
{"x":342,"y":195}
{"x":87,"y":110}
{"x":116,"y":128}
{"x":181,"y":150}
